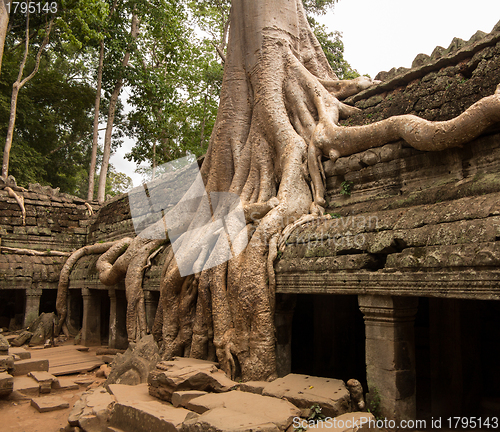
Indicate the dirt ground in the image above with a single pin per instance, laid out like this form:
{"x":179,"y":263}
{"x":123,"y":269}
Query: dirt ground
{"x":19,"y":416}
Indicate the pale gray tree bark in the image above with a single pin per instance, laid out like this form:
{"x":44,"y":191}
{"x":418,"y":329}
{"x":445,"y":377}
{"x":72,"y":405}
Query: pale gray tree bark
{"x":16,"y":87}
{"x":4,"y":24}
{"x":101,"y":191}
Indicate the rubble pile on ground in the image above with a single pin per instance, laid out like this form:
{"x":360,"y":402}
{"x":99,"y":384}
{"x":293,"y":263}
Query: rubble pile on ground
{"x":189,"y":395}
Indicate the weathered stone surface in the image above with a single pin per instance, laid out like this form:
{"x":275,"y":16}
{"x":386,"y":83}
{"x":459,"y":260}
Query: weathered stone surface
{"x":24,"y":337}
{"x":6,"y":384}
{"x":4,"y":345}
{"x":65,"y":383}
{"x":104,"y":371}
{"x":6,"y":363}
{"x":42,"y":328}
{"x":262,"y":409}
{"x":26,"y":385}
{"x":182,"y":398}
{"x":91,"y":412}
{"x":49,"y":403}
{"x":84,"y":381}
{"x":303,"y":391}
{"x":20,"y":352}
{"x":253,"y":386}
{"x":45,"y":380}
{"x":127,"y":393}
{"x":187,"y":374}
{"x":153,"y":416}
{"x":356,"y":393}
{"x":134,"y":365}
{"x":23,"y":367}
{"x":227,"y":420}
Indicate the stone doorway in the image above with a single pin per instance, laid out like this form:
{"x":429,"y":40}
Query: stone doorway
{"x":328,"y":337}
{"x":48,"y":301}
{"x":457,"y":346}
{"x":12,"y":304}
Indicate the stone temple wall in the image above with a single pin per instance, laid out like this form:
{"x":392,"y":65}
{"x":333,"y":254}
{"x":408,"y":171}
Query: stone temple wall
{"x":54,"y":223}
{"x":399,"y":209}
{"x":413,"y":244}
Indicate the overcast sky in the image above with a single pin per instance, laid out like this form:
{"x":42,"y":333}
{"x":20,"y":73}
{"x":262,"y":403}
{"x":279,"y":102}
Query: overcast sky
{"x":381,"y":34}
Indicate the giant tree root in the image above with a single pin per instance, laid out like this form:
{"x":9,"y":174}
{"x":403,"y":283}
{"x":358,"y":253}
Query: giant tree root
{"x":20,"y":201}
{"x":62,"y":288}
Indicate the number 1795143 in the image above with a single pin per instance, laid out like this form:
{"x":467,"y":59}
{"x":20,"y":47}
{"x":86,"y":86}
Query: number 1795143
{"x":31,"y":7}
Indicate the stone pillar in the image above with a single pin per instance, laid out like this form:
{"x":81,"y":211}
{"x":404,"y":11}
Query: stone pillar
{"x":285,"y":305}
{"x":112,"y":317}
{"x":91,"y":326}
{"x":32,"y":308}
{"x":117,"y":319}
{"x":151,"y":304}
{"x":390,"y":355}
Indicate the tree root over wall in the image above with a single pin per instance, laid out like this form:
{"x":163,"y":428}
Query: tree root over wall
{"x":278,"y":118}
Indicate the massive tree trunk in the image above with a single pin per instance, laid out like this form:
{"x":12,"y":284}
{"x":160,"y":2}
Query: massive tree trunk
{"x":278,"y":117}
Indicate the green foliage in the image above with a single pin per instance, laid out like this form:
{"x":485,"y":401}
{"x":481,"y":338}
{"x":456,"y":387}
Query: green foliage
{"x":374,"y":404}
{"x":175,"y":84}
{"x":346,"y":188}
{"x":116,"y":183}
{"x":318,"y":6}
{"x":53,"y":123}
{"x":315,"y":416}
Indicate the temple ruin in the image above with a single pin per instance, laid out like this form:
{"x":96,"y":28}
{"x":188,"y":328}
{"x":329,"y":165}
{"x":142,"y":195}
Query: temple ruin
{"x":399,"y":289}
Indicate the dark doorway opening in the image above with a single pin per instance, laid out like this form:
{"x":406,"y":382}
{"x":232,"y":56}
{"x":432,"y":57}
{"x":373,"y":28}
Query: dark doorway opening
{"x":12,"y":305}
{"x":105,"y":312}
{"x":457,"y":345}
{"x":48,"y":301}
{"x":75,"y":311}
{"x":328,"y":337}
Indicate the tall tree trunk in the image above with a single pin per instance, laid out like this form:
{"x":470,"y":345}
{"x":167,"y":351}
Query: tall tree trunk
{"x":4,"y":24}
{"x":101,"y":191}
{"x":95,"y":137}
{"x":16,"y":87}
{"x":153,"y":171}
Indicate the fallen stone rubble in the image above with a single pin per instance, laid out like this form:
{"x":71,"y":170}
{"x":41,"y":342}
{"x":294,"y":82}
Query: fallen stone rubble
{"x":188,"y":395}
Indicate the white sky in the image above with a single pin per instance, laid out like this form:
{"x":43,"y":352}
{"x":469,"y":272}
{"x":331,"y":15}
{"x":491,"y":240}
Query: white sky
{"x":381,"y":34}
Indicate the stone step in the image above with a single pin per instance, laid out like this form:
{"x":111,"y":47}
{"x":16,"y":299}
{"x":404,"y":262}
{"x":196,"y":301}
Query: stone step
{"x":65,"y":383}
{"x":6,"y":384}
{"x":127,"y":393}
{"x":26,"y":385}
{"x":303,"y":391}
{"x":22,"y":353}
{"x":44,"y":379}
{"x":49,"y":403}
{"x":153,"y":416}
{"x":24,"y":367}
{"x":6,"y":363}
